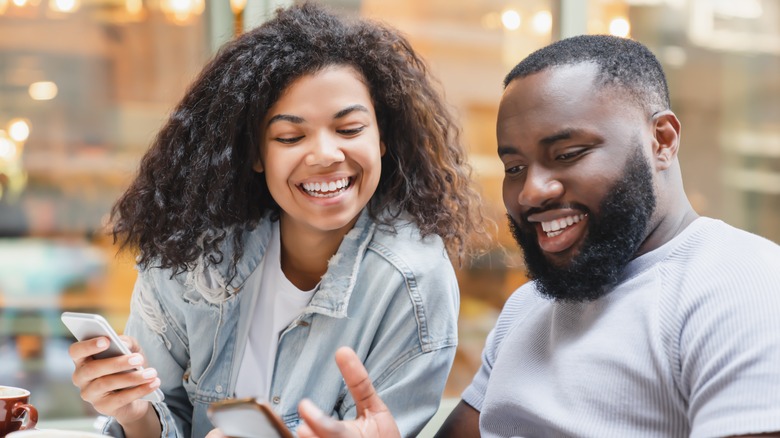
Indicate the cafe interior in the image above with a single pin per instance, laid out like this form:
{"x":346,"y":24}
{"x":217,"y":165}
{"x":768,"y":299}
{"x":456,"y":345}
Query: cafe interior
{"x":85,"y":85}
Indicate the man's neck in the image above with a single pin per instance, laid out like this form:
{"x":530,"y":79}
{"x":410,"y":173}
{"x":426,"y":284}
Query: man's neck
{"x":669,"y":226}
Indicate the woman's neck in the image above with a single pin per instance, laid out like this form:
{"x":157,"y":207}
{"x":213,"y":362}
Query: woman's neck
{"x":305,"y":251}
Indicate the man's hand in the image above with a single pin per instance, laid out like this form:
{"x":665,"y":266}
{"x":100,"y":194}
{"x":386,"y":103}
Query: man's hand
{"x":374,"y":419}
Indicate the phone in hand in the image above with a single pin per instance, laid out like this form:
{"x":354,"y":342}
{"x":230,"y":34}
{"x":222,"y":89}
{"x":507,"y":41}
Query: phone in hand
{"x":247,"y":418}
{"x":85,"y":326}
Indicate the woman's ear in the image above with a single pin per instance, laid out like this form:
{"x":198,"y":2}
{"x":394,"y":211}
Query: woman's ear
{"x":382,"y":149}
{"x":666,"y":135}
{"x":258,"y":166}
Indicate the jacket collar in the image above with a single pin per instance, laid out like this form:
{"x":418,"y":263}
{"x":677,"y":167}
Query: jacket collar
{"x":214,"y":283}
{"x":339,"y":281}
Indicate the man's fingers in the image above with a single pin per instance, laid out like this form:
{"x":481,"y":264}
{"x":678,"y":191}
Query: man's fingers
{"x":371,"y":410}
{"x":318,"y":423}
{"x":215,"y":433}
{"x":358,"y":382}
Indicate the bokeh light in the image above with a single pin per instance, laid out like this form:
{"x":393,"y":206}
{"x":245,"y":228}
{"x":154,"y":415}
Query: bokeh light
{"x":45,"y":90}
{"x":19,"y":130}
{"x":511,"y":19}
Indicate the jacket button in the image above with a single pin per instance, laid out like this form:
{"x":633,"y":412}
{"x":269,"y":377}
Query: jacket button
{"x":219,"y":389}
{"x":276,"y":399}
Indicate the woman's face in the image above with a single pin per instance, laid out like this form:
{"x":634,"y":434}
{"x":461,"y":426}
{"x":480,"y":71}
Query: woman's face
{"x":320,"y":150}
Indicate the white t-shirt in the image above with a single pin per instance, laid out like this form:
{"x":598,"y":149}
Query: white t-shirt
{"x":686,"y":345}
{"x":278,"y":304}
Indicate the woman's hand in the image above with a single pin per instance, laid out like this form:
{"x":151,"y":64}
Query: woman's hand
{"x":374,"y":419}
{"x":113,"y":386}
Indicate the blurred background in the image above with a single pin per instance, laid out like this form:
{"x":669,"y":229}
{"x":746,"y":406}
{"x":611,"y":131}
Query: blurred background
{"x":85,"y":85}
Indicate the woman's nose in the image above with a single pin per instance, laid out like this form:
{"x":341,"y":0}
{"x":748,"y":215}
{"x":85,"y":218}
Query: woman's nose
{"x":325,"y":151}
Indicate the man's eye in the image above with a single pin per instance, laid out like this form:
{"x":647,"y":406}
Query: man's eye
{"x":570,"y":155}
{"x":351,"y":131}
{"x":288,"y":140}
{"x":514,"y":170}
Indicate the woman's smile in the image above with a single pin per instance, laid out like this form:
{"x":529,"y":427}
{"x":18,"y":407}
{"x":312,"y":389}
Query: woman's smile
{"x":325,"y":188}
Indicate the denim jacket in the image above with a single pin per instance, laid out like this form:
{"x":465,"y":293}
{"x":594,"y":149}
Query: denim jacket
{"x":388,"y":294}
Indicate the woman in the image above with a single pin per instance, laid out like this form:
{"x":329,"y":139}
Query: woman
{"x":303,"y":196}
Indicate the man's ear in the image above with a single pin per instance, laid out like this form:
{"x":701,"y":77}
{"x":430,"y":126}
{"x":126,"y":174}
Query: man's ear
{"x":666,"y":136}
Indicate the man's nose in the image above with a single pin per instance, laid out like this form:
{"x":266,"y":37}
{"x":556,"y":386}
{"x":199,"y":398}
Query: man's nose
{"x":540,"y":188}
{"x":325,"y":151}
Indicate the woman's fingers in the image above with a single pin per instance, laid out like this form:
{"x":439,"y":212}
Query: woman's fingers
{"x":110,"y":403}
{"x":131,"y":343}
{"x":114,"y":386}
{"x":112,"y":383}
{"x":81,"y":351}
{"x":89,"y":370}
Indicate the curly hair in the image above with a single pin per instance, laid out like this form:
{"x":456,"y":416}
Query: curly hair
{"x":196,"y":185}
{"x":622,"y":62}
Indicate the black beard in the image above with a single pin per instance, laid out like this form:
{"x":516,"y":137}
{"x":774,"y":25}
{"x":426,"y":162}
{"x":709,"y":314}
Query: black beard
{"x":612,"y":240}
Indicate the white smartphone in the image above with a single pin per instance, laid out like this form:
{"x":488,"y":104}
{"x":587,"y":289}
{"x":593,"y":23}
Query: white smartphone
{"x":247,"y":418}
{"x":86,"y":326}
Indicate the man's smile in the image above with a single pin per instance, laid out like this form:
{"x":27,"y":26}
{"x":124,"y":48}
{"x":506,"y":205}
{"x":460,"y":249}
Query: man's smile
{"x":556,"y":227}
{"x":558,"y":231}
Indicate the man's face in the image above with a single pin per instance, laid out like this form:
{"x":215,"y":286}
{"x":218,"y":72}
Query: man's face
{"x":577,"y":186}
{"x":611,"y":239}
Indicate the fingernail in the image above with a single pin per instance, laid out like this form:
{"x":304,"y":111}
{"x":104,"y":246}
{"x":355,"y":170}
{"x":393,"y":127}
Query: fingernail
{"x":311,"y":408}
{"x":149,"y":373}
{"x":135,"y":360}
{"x":102,"y":343}
{"x":155,"y":383}
{"x":317,"y":414}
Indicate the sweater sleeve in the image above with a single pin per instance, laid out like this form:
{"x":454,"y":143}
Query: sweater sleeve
{"x":729,"y":338}
{"x":474,"y":394}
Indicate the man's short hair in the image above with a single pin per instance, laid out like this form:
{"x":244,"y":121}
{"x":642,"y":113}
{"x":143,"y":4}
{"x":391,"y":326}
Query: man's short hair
{"x":622,"y":63}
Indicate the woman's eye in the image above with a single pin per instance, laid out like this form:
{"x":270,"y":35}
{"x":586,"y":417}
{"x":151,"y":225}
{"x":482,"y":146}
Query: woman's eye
{"x":351,"y":131}
{"x":288,"y":140}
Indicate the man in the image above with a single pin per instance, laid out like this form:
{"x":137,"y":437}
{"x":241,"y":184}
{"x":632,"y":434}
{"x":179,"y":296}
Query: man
{"x":642,"y":319}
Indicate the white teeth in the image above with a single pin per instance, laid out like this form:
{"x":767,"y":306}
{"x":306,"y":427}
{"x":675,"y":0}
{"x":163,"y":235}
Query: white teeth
{"x":556,"y":226}
{"x":326,"y":189}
